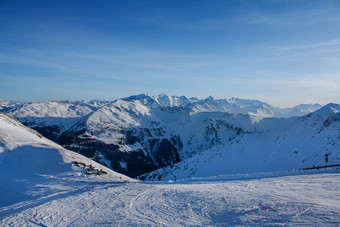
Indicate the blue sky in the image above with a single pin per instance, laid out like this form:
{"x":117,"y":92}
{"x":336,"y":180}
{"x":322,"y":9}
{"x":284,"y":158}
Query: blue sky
{"x":282,"y":52}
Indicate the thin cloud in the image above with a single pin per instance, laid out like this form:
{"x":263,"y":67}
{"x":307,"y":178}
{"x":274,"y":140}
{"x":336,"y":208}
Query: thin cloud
{"x":296,"y":18}
{"x":310,"y":45}
{"x":323,"y":83}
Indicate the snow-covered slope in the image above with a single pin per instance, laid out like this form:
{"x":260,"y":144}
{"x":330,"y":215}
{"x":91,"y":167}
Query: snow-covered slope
{"x":302,"y":200}
{"x":52,"y":118}
{"x":279,"y":144}
{"x":27,"y":158}
{"x":234,"y":106}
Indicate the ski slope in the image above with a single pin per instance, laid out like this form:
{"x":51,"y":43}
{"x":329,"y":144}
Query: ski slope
{"x":301,"y":200}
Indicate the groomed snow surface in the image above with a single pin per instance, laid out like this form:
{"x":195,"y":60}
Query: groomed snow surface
{"x":301,"y":200}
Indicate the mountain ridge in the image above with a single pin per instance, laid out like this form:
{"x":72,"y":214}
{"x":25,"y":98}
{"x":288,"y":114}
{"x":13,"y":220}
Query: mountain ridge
{"x":142,"y":133}
{"x":297,"y":143}
{"x":164,"y":100}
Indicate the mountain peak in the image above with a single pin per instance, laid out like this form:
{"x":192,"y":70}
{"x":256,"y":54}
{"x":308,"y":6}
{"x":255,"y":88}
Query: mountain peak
{"x":335,"y":108}
{"x":329,"y":109}
{"x":210,"y":98}
{"x":162,"y":95}
{"x":137,"y":97}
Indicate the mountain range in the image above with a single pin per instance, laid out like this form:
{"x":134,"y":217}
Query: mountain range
{"x":159,"y":137}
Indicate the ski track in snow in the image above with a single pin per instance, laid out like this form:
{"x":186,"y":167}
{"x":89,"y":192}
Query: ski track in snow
{"x":303,"y":200}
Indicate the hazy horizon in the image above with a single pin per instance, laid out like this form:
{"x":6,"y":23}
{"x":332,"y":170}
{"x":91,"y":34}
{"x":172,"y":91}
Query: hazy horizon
{"x":111,"y":100}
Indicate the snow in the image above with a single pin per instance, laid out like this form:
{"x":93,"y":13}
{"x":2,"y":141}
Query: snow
{"x":56,"y":118}
{"x":161,"y":100}
{"x":237,"y":129}
{"x":54,"y":109}
{"x":302,"y":200}
{"x":275,"y":145}
{"x":255,"y":108}
{"x":40,"y":186}
{"x":14,"y":134}
{"x":68,"y":109}
{"x":30,"y":163}
{"x":53,"y":115}
{"x":119,"y":114}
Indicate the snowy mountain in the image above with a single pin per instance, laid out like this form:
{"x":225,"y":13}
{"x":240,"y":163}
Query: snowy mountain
{"x":137,"y":139}
{"x":257,"y":109}
{"x":51,"y":118}
{"x":142,"y":133}
{"x":8,"y":105}
{"x":161,"y":100}
{"x":280,"y":144}
{"x":27,"y":158}
{"x":298,"y":110}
